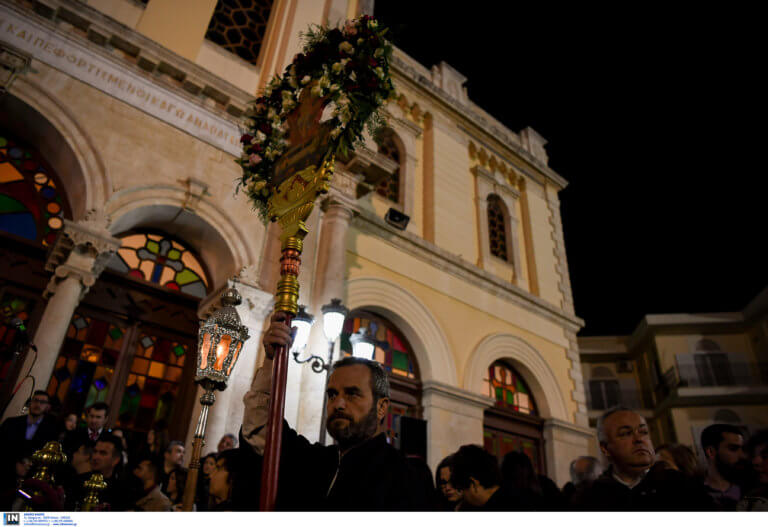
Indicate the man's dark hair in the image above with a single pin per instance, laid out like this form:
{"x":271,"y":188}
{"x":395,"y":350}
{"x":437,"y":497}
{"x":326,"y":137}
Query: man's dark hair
{"x":172,"y":444}
{"x":517,"y":472}
{"x":114,"y":441}
{"x":379,"y":379}
{"x":471,"y":461}
{"x":712,"y":435}
{"x":153,"y":467}
{"x":42,"y":392}
{"x":98,"y":406}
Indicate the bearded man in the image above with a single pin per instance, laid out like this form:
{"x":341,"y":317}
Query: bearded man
{"x":723,"y":445}
{"x":361,"y":472}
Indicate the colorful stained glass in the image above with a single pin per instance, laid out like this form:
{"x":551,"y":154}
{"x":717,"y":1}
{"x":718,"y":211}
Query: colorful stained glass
{"x":501,"y":443}
{"x":153,"y":382}
{"x":391,"y":349}
{"x":12,"y":307}
{"x":86,"y":363}
{"x":509,"y":389}
{"x":160,"y":260}
{"x":31,"y":204}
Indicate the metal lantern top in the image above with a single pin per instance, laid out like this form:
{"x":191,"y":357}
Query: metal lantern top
{"x":220,"y":342}
{"x":363,"y":345}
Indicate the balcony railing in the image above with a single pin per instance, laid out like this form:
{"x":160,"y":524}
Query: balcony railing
{"x":734,"y":373}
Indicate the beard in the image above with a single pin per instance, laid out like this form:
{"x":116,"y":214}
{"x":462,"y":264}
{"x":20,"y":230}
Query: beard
{"x":355,"y":432}
{"x":732,"y":473}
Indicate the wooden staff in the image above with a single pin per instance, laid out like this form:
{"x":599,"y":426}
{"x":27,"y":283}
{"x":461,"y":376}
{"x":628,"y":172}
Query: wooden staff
{"x":291,"y":206}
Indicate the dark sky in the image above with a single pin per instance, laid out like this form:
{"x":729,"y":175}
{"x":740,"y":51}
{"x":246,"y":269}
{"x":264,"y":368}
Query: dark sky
{"x":656,"y":121}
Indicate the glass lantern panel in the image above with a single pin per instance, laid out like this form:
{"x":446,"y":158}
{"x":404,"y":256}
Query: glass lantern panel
{"x":205,"y":350}
{"x":234,"y":358}
{"x":222,"y":349}
{"x":391,"y":349}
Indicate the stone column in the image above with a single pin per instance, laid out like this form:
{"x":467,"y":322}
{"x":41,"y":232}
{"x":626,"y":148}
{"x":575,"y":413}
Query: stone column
{"x":77,"y":258}
{"x":454,"y":418}
{"x":226,"y":414}
{"x":329,"y":282}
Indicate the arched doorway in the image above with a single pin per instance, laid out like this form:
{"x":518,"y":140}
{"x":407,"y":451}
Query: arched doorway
{"x":33,"y":206}
{"x":513,"y":423}
{"x":405,"y":426}
{"x":131,"y":338}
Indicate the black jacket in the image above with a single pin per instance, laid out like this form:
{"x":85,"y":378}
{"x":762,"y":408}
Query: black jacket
{"x":506,"y":499}
{"x":372,"y":476}
{"x":13,"y":433}
{"x":661,"y":489}
{"x":80,"y":436}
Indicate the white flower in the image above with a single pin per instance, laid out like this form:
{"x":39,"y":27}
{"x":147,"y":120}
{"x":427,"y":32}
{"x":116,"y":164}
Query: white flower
{"x":334,"y":88}
{"x":360,"y":41}
{"x":379,"y":72}
{"x":271,"y":113}
{"x":378,"y":53}
{"x":306,"y":79}
{"x":372,"y":24}
{"x":324,"y":81}
{"x":317,"y":90}
{"x":353,"y":76}
{"x":260,"y":137}
{"x":346,"y":47}
{"x":337,"y":67}
{"x":342,"y":101}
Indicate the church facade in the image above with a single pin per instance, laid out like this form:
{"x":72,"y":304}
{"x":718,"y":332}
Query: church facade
{"x":120,"y":227}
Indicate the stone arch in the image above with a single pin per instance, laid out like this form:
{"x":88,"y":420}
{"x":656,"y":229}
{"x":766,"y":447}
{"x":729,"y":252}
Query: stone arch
{"x":220,"y":241}
{"x":528,"y":361}
{"x":413,"y":319}
{"x":43,"y":121}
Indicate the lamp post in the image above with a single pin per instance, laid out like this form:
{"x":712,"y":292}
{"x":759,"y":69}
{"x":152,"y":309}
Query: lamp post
{"x":334,"y":315}
{"x":220,"y":341}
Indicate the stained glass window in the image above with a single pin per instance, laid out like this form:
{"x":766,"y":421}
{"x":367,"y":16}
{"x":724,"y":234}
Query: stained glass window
{"x":501,"y":443}
{"x":389,"y":187}
{"x":32,"y":205}
{"x":239,"y":26}
{"x":497,"y":227}
{"x":161,"y":260}
{"x":153,"y":383}
{"x":12,"y":306}
{"x":509,"y":389}
{"x":86,"y":364}
{"x":392,"y":350}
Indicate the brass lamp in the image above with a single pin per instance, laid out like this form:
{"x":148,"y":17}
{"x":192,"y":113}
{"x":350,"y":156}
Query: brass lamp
{"x":220,"y":341}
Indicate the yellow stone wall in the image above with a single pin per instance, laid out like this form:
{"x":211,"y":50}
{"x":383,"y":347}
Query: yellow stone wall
{"x":466,"y":313}
{"x":670,"y":345}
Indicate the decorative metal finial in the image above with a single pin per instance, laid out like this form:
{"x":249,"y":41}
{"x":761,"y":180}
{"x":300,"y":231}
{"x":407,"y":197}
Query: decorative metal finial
{"x":93,"y":488}
{"x":46,"y":459}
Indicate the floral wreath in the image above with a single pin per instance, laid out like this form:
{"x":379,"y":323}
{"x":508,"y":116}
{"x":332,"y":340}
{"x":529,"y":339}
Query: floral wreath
{"x":349,"y":67}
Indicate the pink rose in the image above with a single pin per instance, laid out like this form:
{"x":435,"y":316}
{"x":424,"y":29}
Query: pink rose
{"x":254,"y":159}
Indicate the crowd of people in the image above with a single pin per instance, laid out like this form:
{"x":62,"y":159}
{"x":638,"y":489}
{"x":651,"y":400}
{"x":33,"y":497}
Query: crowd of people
{"x":146,"y":476}
{"x":362,"y":471}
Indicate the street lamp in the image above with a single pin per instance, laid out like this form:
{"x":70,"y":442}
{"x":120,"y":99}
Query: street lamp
{"x":220,"y":341}
{"x":363,"y":344}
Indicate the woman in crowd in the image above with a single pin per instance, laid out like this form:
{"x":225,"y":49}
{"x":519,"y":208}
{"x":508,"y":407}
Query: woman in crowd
{"x":208,"y":467}
{"x":756,"y":499}
{"x":450,"y":498}
{"x":67,"y":425}
{"x":177,"y":480}
{"x":681,"y":458}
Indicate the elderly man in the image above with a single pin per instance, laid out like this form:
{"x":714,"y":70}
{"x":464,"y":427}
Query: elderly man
{"x":584,"y":470}
{"x":632,"y":482}
{"x":227,"y":442}
{"x":362,"y":471}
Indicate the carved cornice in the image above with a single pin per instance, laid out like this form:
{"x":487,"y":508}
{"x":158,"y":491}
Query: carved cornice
{"x":491,"y":178}
{"x":445,"y":261}
{"x":64,"y":271}
{"x":494,"y":131}
{"x":88,"y":237}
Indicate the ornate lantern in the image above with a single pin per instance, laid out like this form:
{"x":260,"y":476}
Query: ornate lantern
{"x":363,"y":344}
{"x":221,"y":339}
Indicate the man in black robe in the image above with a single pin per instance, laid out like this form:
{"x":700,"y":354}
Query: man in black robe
{"x":362,"y":471}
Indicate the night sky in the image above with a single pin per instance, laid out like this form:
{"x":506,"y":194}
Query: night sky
{"x":653,"y":118}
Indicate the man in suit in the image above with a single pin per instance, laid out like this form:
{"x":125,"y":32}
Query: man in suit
{"x":95,"y":420}
{"x":24,"y":434}
{"x":30,"y":432}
